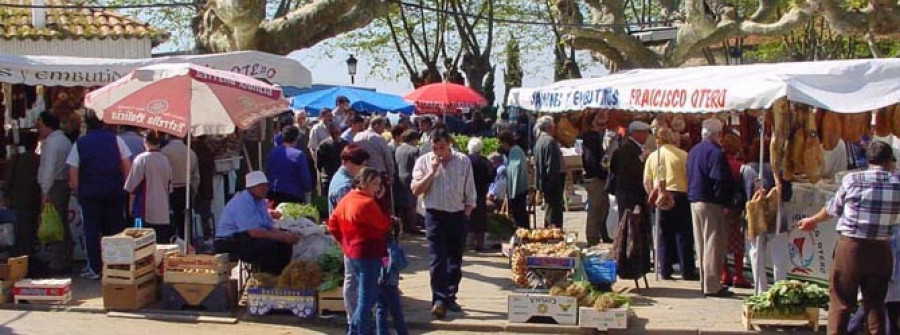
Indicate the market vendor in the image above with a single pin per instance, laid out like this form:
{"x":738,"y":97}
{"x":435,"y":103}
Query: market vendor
{"x":867,"y":205}
{"x":247,"y":230}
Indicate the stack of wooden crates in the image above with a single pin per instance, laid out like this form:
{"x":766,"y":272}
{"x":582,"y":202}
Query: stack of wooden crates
{"x":199,"y":282}
{"x":129,"y":271}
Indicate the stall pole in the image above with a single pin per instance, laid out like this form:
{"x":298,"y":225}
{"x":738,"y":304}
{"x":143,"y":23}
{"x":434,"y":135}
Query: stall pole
{"x":657,"y":213}
{"x":188,"y":224}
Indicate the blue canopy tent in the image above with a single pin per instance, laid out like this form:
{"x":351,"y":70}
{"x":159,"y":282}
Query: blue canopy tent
{"x":362,"y":100}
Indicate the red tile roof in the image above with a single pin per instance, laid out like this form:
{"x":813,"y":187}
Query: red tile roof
{"x":72,"y":23}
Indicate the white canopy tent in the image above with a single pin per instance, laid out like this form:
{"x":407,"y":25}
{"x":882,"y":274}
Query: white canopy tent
{"x":847,"y":86}
{"x":89,"y":72}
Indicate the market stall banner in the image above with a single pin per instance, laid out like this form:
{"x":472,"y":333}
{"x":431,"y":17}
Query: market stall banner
{"x":841,"y":86}
{"x":810,"y":252}
{"x":90,"y":72}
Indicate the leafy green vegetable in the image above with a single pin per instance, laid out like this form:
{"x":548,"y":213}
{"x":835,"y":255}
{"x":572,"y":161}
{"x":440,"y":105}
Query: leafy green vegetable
{"x":489,"y":144}
{"x":500,"y":225}
{"x":292,"y":211}
{"x":788,"y":297}
{"x":332,"y":264}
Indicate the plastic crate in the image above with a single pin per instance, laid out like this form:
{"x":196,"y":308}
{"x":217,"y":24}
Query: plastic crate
{"x":599,"y":271}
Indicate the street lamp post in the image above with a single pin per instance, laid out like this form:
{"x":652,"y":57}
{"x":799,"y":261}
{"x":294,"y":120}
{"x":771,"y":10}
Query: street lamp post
{"x":351,"y":69}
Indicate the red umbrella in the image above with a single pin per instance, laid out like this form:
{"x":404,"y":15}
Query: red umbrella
{"x":444,"y":97}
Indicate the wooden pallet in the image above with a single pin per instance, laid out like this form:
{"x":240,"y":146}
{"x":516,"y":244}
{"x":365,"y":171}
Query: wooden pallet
{"x":811,"y":316}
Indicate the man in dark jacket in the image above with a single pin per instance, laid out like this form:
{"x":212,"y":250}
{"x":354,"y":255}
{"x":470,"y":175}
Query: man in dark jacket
{"x":548,"y":170}
{"x":405,"y":157}
{"x":626,"y":167}
{"x":328,"y":155}
{"x":483,"y":174}
{"x":595,"y":179}
{"x":709,"y":189}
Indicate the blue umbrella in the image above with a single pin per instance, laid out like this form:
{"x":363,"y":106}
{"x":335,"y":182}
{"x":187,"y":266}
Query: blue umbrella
{"x":360,"y":99}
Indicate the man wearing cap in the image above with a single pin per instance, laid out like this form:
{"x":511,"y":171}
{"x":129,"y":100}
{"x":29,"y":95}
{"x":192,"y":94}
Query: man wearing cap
{"x":247,"y":230}
{"x":548,"y":170}
{"x":867,"y":205}
{"x":626,"y":170}
{"x":709,"y":189}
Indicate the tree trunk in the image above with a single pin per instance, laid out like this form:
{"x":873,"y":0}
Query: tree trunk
{"x":233,"y":25}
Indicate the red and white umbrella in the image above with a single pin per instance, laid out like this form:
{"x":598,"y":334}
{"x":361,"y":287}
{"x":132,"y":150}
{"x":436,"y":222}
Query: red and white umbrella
{"x":440,"y":98}
{"x":182,"y":99}
{"x":185,"y":98}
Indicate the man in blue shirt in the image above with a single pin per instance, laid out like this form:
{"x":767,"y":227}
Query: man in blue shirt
{"x":709,"y":189}
{"x":247,"y":231}
{"x":357,"y":124}
{"x":288,"y":169}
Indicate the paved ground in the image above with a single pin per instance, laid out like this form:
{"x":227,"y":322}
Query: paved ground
{"x":27,"y":323}
{"x":666,"y":307}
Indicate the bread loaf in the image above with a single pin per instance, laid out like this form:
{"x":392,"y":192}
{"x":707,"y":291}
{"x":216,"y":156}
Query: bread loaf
{"x":854,"y":126}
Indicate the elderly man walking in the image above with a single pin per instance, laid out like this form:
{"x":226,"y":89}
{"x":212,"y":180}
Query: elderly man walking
{"x":548,"y":169}
{"x":867,"y":205}
{"x":380,"y":157}
{"x":709,"y":189}
{"x":445,"y":179}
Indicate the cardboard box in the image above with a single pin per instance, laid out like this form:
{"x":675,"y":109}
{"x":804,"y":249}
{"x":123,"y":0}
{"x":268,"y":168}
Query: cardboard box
{"x":197,"y":269}
{"x":542,"y":308}
{"x":122,"y":248}
{"x":15,"y":269}
{"x":51,"y":290}
{"x":616,"y":318}
{"x":130,"y":296}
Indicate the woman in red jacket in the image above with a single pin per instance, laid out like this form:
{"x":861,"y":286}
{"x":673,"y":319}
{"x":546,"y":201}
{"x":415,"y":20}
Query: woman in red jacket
{"x":362,"y":228}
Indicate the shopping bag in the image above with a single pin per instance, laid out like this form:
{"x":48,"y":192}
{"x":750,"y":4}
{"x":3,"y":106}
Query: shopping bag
{"x":51,"y":227}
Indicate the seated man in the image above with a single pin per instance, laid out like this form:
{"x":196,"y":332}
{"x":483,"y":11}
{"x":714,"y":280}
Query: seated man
{"x":246,"y":229}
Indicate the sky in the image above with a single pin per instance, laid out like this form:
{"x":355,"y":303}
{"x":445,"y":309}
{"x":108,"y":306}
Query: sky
{"x":333,"y":70}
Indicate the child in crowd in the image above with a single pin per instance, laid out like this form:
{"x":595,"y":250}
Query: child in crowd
{"x":389,"y":291}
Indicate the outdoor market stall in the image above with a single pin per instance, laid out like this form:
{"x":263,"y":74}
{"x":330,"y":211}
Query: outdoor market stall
{"x":804,"y":107}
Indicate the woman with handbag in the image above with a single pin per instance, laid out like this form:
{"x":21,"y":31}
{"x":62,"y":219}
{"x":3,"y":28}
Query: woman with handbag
{"x":665,"y":177}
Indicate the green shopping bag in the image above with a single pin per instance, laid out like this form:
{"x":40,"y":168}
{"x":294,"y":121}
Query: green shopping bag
{"x":51,"y":227}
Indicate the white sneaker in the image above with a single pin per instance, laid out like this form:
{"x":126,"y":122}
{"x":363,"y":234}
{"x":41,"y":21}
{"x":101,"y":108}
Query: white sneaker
{"x":89,"y":274}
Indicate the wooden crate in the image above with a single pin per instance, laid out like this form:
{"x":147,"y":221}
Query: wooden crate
{"x":126,"y":274}
{"x":213,"y":298}
{"x":330,"y":301}
{"x":57,"y":291}
{"x":6,"y":291}
{"x":15,"y":269}
{"x":197,"y":269}
{"x":810,"y":316}
{"x":128,"y":246}
{"x":261,"y":301}
{"x":130,"y":296}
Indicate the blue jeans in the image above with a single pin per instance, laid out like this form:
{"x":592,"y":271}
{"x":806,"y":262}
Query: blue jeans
{"x":101,"y":216}
{"x":367,"y":272}
{"x":446,"y":235}
{"x":389,"y":302}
